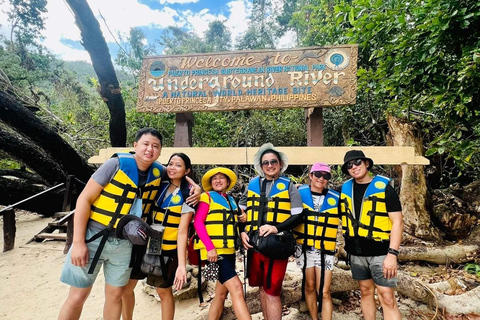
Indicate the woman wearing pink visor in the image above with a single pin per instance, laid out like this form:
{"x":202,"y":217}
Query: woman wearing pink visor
{"x":316,"y":240}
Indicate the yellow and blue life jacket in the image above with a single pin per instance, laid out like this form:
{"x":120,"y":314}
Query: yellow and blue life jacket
{"x":278,"y":203}
{"x":169,"y":212}
{"x":318,"y":227}
{"x":118,"y":195}
{"x":373,"y":223}
{"x":220,"y":223}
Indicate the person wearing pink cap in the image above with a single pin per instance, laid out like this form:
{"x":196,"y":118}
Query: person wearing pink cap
{"x":316,"y":240}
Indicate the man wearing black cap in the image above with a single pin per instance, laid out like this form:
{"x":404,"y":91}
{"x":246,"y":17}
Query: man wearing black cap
{"x":372,"y":225}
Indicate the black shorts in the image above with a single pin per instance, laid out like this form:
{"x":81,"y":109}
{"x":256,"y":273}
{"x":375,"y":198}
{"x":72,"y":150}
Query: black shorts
{"x":226,"y":268}
{"x":166,"y":280}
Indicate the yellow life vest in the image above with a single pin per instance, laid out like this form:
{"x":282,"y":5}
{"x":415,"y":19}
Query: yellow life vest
{"x":318,"y":227}
{"x":169,"y":212}
{"x":118,"y":195}
{"x":374,"y":223}
{"x":278,"y":203}
{"x":220,"y":223}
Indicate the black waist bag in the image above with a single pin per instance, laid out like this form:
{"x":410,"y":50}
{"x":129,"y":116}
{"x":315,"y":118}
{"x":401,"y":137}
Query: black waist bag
{"x":274,"y":246}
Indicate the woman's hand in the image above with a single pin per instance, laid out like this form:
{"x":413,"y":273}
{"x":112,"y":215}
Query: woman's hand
{"x":245,"y":240}
{"x":267,"y":229}
{"x":180,"y":277}
{"x":212,"y":255}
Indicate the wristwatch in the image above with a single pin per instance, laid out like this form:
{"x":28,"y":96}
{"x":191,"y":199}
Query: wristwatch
{"x":393,"y":251}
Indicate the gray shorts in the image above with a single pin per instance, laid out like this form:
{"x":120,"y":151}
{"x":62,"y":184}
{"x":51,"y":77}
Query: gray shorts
{"x":115,"y":258}
{"x":364,"y":268}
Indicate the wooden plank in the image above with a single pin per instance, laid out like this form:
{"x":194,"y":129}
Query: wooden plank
{"x":9,"y":230}
{"x":54,"y":236}
{"x":296,"y":155}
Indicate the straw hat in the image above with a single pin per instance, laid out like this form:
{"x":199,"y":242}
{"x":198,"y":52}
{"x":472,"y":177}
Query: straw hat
{"x":207,"y":184}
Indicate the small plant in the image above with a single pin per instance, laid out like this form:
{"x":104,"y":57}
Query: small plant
{"x":473,"y":268}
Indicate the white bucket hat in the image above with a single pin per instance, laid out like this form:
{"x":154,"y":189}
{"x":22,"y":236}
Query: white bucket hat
{"x":257,"y":158}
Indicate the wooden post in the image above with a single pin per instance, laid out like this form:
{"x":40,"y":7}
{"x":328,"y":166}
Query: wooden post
{"x":9,"y":230}
{"x":67,"y":198}
{"x":67,"y":206}
{"x":314,"y":119}
{"x":183,"y":129}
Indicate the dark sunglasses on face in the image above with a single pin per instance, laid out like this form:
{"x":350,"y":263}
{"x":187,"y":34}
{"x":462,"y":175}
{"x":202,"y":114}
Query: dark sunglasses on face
{"x":322,"y":174}
{"x":272,"y":162}
{"x":356,"y":162}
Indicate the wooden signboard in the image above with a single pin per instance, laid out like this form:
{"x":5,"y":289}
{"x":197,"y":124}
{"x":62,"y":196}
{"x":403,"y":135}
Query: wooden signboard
{"x":264,"y":79}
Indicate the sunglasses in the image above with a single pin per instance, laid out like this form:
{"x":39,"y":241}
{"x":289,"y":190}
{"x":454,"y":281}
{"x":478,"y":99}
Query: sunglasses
{"x":322,"y":174}
{"x":272,"y":162}
{"x":356,"y":162}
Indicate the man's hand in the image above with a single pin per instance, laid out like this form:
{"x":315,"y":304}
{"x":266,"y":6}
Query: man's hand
{"x":267,"y":229}
{"x":242,"y":217}
{"x":79,"y":254}
{"x":245,"y":240}
{"x":390,"y":266}
{"x":195,"y":193}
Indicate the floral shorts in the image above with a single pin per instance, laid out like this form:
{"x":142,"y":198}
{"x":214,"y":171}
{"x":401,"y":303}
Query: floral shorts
{"x":314,"y":258}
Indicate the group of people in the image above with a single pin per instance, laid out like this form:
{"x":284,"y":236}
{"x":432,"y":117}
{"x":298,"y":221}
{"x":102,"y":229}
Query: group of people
{"x":131,"y":197}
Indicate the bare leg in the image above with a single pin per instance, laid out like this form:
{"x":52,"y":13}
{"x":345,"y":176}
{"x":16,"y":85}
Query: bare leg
{"x":327,"y":303}
{"x":128,"y":300}
{"x":72,"y":307}
{"x":113,"y":302}
{"x":274,"y":307}
{"x":263,"y":302}
{"x":234,"y":286}
{"x":168,"y":303}
{"x":369,"y":309}
{"x":311,"y":292}
{"x":389,"y":303}
{"x":216,"y":308}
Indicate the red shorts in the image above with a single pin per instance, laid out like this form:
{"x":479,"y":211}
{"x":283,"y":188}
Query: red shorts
{"x":258,"y":269}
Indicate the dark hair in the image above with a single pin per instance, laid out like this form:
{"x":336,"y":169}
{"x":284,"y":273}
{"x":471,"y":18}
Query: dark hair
{"x":188,"y":165}
{"x":154,"y":132}
{"x":271,"y":151}
{"x":185,"y":158}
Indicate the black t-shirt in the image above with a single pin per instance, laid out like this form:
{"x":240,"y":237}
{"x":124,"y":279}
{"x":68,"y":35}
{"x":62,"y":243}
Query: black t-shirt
{"x":361,"y":246}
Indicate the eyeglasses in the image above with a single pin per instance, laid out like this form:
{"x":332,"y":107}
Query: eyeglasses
{"x":272,"y":162}
{"x":322,"y":174}
{"x":356,"y":162}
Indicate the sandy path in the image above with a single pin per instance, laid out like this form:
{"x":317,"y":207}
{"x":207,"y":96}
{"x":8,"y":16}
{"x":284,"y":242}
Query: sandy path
{"x":31,"y":289}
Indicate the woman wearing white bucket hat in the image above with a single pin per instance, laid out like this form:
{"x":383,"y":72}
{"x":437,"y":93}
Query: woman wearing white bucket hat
{"x":316,"y":240}
{"x":272,"y":205}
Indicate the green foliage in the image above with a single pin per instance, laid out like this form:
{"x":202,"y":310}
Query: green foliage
{"x":8,"y":164}
{"x":417,"y":59}
{"x":261,"y":32}
{"x":473,"y":268}
{"x":131,"y":55}
{"x":217,"y":37}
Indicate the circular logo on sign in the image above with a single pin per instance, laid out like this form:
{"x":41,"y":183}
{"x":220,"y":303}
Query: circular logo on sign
{"x":281,"y":186}
{"x":157,"y":69}
{"x":332,"y":202}
{"x":176,"y":199}
{"x":156,"y":172}
{"x":337,"y":60}
{"x":380,"y":185}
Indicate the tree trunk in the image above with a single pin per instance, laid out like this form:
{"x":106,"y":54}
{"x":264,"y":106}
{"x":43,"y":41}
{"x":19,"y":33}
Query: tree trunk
{"x":94,"y":42}
{"x":413,"y":193}
{"x":31,"y":155}
{"x":25,"y":123}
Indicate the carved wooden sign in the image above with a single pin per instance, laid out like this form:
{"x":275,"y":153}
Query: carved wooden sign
{"x":263,"y":79}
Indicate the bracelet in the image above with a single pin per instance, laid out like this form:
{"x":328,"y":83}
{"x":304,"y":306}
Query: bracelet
{"x":393,"y":251}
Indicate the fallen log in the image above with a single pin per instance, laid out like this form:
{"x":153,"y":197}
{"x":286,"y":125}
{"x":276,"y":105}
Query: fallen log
{"x":456,"y":253}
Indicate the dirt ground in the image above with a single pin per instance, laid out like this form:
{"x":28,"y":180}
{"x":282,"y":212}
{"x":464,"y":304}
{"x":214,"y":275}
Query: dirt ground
{"x":30,"y":286}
